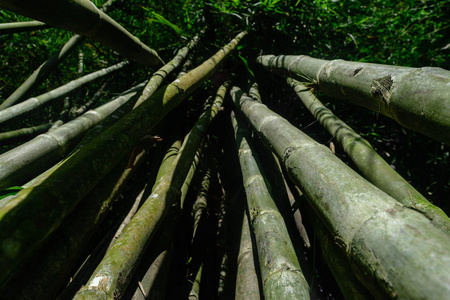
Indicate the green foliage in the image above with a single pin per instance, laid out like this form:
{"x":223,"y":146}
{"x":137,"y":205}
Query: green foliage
{"x":10,"y":191}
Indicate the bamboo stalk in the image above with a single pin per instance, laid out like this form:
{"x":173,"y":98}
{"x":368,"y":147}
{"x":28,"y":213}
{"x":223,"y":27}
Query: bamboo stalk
{"x":84,"y":18}
{"x":372,"y":165}
{"x":394,"y":250}
{"x":247,"y":282}
{"x":45,"y":69}
{"x":23,"y":133}
{"x":8,"y":28}
{"x":414,"y":98}
{"x":281,"y":274}
{"x":112,"y":276}
{"x":30,"y":159}
{"x":27,"y":106}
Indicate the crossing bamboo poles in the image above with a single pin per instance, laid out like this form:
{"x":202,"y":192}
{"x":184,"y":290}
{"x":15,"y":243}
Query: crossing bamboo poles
{"x":37,"y":211}
{"x":372,"y":165}
{"x":46,"y":68}
{"x":84,"y":18}
{"x":394,"y":251}
{"x":416,"y":98}
{"x":112,"y":276}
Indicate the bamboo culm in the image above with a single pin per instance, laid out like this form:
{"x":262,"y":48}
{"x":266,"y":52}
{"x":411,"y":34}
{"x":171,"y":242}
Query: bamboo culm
{"x":414,"y":98}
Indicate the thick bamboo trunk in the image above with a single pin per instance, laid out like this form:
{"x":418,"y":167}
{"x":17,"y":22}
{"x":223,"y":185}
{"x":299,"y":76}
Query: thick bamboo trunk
{"x":394,"y":251}
{"x":83,"y":18}
{"x":112,"y":276}
{"x":371,"y":165}
{"x":44,"y":70}
{"x":281,"y":274}
{"x":27,"y":106}
{"x":415,"y":98}
{"x":30,"y":159}
{"x":8,"y":28}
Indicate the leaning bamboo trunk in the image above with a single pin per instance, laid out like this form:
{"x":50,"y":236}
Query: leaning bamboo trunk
{"x":8,"y":28}
{"x":84,"y":18}
{"x":23,"y":133}
{"x":395,"y":251}
{"x":372,"y":165}
{"x":30,"y":159}
{"x":414,"y":98}
{"x":281,"y":274}
{"x":112,"y":276}
{"x":46,"y":68}
{"x":27,"y":106}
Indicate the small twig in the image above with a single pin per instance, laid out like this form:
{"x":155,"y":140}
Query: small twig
{"x":142,"y":290}
{"x":414,"y":203}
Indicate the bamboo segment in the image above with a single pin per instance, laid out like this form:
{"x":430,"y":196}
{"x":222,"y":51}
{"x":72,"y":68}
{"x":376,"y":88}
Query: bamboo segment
{"x":414,"y":98}
{"x":112,"y":276}
{"x":247,"y":282}
{"x":35,"y":156}
{"x":18,"y":110}
{"x":44,"y":69}
{"x":84,"y":18}
{"x":8,"y":28}
{"x":281,"y":274}
{"x":395,"y":251}
{"x":372,"y":166}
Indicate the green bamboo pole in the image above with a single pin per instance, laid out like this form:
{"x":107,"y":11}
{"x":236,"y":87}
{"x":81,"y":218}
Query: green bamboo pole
{"x":195,"y":291}
{"x":394,"y":250}
{"x":247,"y":282}
{"x":8,"y":28}
{"x":414,"y":98}
{"x":83,"y":18}
{"x":45,"y":69}
{"x":23,"y":133}
{"x":372,"y":165}
{"x":27,"y":106}
{"x":30,"y":159}
{"x":281,"y":274}
{"x":112,"y":276}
